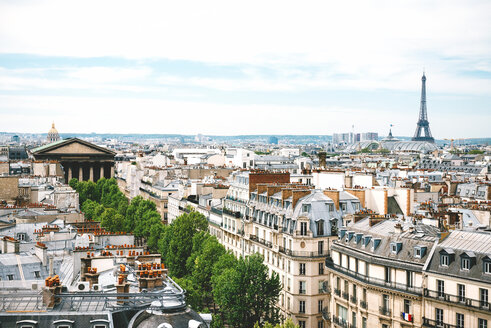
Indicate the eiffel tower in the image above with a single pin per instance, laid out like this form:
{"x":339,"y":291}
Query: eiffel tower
{"x":423,"y":125}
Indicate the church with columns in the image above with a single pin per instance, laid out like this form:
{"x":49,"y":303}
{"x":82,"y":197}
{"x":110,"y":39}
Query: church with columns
{"x":80,"y":159}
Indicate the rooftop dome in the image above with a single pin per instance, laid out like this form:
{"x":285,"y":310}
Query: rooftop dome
{"x":53,"y":134}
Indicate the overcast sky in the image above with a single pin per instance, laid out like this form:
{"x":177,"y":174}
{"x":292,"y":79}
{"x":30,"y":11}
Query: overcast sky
{"x":248,"y":67}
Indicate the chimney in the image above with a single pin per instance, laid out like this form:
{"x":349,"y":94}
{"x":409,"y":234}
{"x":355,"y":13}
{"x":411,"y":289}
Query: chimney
{"x":334,"y":195}
{"x":41,"y":252}
{"x":322,"y":159}
{"x":397,"y":228}
{"x":297,"y":194}
{"x":10,"y":245}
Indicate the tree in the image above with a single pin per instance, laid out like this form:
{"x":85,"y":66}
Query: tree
{"x":246,"y":294}
{"x":177,"y":243}
{"x":476,"y":152}
{"x":208,"y":255}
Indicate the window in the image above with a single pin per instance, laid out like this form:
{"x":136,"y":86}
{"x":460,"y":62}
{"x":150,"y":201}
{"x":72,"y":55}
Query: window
{"x":301,"y":307}
{"x":441,"y":288}
{"x":306,"y":208}
{"x":385,"y":301}
{"x":482,"y":323}
{"x":320,"y":324}
{"x":320,"y":305}
{"x":343,"y":207}
{"x":301,"y":324}
{"x":303,"y":228}
{"x":10,"y":277}
{"x":487,"y":267}
{"x":321,"y":268}
{"x":409,"y":278}
{"x":387,"y":274}
{"x":483,"y":297}
{"x":444,"y":260}
{"x":288,"y":302}
{"x":393,"y":248}
{"x":363,"y":322}
{"x":320,"y":228}
{"x":320,"y":247}
{"x":461,"y":291}
{"x":465,"y":264}
{"x":407,"y":306}
{"x":36,"y":274}
{"x":459,"y":320}
{"x":302,"y":269}
{"x":301,"y":287}
{"x":353,"y":319}
{"x":439,"y":316}
{"x":417,"y":252}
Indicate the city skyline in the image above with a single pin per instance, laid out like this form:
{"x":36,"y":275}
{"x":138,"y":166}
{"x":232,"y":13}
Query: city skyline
{"x":224,"y":69}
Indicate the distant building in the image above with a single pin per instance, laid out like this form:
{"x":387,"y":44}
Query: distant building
{"x":15,"y":138}
{"x":80,"y":159}
{"x":17,"y":153}
{"x":369,"y":136}
{"x":53,"y":134}
{"x":273,"y":140}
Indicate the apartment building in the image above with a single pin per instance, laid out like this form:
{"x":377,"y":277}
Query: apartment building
{"x":458,"y":283}
{"x":376,"y":273}
{"x":292,"y":226}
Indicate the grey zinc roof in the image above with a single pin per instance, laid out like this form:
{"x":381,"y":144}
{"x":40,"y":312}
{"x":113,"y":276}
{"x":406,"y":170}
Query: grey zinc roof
{"x":479,"y":242}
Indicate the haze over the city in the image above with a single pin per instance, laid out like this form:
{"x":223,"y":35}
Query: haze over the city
{"x":228,"y":68}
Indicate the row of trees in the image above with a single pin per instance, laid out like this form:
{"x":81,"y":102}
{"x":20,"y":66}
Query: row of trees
{"x":239,"y":292}
{"x":104,"y":202}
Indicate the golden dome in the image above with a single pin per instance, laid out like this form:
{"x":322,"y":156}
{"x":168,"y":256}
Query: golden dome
{"x":53,"y":134}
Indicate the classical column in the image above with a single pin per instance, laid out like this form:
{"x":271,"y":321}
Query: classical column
{"x":91,"y":172}
{"x":102,"y":171}
{"x":112,"y":171}
{"x":69,"y":173}
{"x":80,"y":173}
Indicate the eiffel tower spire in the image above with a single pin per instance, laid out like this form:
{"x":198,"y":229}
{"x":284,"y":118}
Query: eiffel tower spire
{"x":423,"y":126}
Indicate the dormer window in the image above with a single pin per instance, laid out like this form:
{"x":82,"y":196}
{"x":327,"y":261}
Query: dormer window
{"x":358,"y":237}
{"x":349,"y":235}
{"x":444,"y":260}
{"x":366,"y":240}
{"x":467,"y":260}
{"x":446,"y":257}
{"x":343,"y":207}
{"x":342,"y":233}
{"x":419,"y":252}
{"x":487,"y":265}
{"x":306,"y":208}
{"x":395,"y":247}
{"x":376,"y":243}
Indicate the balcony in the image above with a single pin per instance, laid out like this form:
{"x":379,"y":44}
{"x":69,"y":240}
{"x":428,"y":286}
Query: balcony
{"x":326,"y":315}
{"x":291,"y":253}
{"x":364,"y":304}
{"x":236,"y":215}
{"x":340,"y":322}
{"x":455,"y":299}
{"x":353,"y":299}
{"x":261,"y":241}
{"x":437,"y":324}
{"x":373,"y":281}
{"x":384,"y":311}
{"x":337,"y":291}
{"x":345,"y":295}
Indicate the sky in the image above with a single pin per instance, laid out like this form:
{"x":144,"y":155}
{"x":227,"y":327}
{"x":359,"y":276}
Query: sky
{"x":245,"y":67}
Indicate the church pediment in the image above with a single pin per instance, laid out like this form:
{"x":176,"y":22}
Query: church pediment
{"x":72,"y":146}
{"x":75,"y":148}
